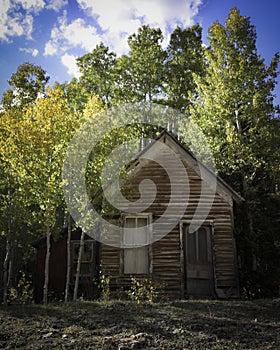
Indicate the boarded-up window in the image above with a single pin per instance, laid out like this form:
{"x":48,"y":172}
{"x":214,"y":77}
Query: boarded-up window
{"x":87,"y":259}
{"x":87,"y":253}
{"x":135,"y":243}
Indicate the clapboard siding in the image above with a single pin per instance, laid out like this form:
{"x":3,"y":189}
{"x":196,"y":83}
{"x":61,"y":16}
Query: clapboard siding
{"x":165,"y":253}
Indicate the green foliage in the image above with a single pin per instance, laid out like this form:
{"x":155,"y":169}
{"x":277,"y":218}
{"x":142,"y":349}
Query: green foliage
{"x":28,"y":82}
{"x":104,"y":286}
{"x":35,"y":151}
{"x":148,"y":73}
{"x":146,"y":63}
{"x":185,"y":58}
{"x":226,"y":89}
{"x":234,"y":101}
{"x":234,"y":108}
{"x":144,"y":290}
{"x":23,"y":292}
{"x":97,"y":72}
{"x":76,"y":94}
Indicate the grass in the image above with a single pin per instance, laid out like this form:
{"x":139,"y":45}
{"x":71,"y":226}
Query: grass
{"x":189,"y":324}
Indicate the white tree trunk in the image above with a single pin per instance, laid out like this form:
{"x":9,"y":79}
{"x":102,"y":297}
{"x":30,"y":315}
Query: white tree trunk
{"x":47,"y":266}
{"x":77,"y":280}
{"x":6,"y":264}
{"x":68,"y":269}
{"x":6,"y":272}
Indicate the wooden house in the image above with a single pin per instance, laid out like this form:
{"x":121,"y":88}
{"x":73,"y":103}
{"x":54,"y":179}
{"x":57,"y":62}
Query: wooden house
{"x":200,"y":263}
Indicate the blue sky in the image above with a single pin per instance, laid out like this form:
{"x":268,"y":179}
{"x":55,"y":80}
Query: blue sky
{"x":52,"y":33}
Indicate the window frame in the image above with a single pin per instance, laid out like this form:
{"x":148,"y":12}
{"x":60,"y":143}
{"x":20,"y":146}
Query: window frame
{"x":74,"y":260}
{"x":136,"y":216}
{"x":77,"y":243}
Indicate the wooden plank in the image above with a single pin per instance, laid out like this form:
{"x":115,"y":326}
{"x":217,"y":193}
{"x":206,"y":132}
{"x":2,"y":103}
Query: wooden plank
{"x":166,"y":254}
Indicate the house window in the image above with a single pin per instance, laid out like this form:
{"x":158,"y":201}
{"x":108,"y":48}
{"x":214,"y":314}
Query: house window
{"x":136,"y":239}
{"x":86,"y":261}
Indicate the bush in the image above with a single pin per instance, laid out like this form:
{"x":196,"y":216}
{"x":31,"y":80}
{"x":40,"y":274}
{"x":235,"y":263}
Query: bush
{"x":104,"y":286}
{"x":22,"y":293}
{"x":145,"y":290}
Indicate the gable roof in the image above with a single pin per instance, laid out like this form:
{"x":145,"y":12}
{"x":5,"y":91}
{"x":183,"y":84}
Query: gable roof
{"x":187,"y":155}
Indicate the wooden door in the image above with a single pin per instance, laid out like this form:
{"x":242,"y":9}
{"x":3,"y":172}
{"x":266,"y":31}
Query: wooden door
{"x":198,"y":262}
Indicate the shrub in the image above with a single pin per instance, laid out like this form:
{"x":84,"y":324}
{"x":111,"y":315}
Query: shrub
{"x":144,"y":290}
{"x":104,"y":286}
{"x":22,"y":293}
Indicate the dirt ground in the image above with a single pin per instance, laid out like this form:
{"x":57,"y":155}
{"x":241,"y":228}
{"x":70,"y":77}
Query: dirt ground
{"x":123,"y":325}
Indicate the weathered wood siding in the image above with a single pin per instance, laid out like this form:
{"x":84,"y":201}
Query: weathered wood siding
{"x":58,"y":267}
{"x":165,"y":254}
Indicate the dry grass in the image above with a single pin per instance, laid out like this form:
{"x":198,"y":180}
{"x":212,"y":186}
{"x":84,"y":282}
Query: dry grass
{"x":123,"y":325}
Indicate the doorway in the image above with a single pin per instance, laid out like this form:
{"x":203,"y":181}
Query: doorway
{"x":199,"y":276}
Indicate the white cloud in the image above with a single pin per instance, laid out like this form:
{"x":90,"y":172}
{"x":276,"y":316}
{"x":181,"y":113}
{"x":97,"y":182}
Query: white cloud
{"x":79,"y":34}
{"x":16,"y":16}
{"x":69,"y":62}
{"x":12,"y":23}
{"x":4,"y":19}
{"x":38,"y":5}
{"x":28,"y":26}
{"x":31,"y":5}
{"x":123,"y":17}
{"x":117,"y":17}
{"x":72,"y":35}
{"x":113,"y":21}
{"x":50,"y":49}
{"x":33,"y":52}
{"x":56,"y":5}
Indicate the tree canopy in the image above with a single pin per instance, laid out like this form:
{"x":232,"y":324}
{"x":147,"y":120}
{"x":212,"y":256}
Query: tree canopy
{"x":28,"y":82}
{"x":225,"y":87}
{"x":234,"y":103}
